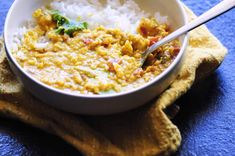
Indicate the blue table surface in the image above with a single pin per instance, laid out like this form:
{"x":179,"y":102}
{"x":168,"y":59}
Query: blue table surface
{"x":206,"y":119}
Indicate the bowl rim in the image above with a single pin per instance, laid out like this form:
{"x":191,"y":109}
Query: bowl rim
{"x":61,"y":92}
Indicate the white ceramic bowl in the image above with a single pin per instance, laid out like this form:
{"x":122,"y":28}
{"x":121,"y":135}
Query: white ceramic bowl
{"x":22,"y":10}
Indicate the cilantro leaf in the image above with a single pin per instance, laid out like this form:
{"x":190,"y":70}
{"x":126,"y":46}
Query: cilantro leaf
{"x":64,"y":25}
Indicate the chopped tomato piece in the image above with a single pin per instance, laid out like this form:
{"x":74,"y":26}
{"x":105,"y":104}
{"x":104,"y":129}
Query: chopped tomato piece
{"x":144,"y":31}
{"x":168,"y":29}
{"x":176,"y":50}
{"x":154,"y":40}
{"x":111,"y":63}
{"x":139,"y":72}
{"x":87,"y":41}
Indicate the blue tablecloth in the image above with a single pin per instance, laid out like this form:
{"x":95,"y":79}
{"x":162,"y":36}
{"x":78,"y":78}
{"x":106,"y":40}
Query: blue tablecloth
{"x":206,"y":119}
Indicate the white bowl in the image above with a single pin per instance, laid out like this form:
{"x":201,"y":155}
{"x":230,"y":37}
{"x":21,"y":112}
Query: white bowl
{"x":22,"y":10}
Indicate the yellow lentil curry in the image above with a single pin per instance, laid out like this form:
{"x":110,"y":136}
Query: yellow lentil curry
{"x":99,"y":61}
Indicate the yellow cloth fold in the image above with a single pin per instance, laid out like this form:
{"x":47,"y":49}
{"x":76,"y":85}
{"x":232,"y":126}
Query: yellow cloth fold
{"x":145,"y":131}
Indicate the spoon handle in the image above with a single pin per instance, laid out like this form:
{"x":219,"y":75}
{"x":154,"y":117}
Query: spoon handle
{"x":219,"y":9}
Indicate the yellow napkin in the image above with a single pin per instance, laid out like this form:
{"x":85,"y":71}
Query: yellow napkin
{"x":141,"y":132}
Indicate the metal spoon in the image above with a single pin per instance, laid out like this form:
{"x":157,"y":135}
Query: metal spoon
{"x":219,"y":9}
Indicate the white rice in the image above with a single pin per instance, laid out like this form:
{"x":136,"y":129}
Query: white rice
{"x":112,"y":14}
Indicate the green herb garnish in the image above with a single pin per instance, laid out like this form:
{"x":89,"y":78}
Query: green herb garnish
{"x":64,"y":25}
